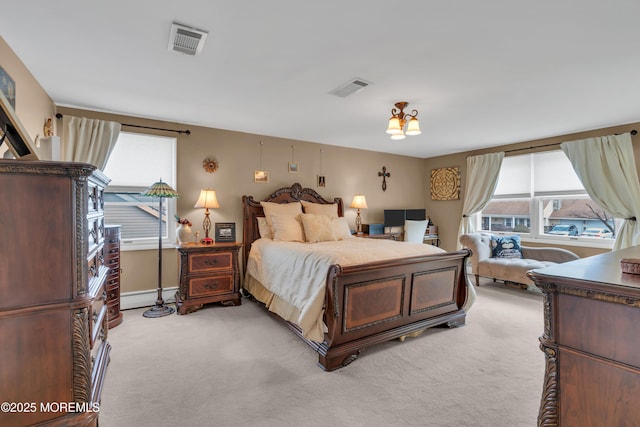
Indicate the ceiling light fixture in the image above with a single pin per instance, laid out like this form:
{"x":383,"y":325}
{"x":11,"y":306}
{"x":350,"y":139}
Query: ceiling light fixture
{"x":399,"y":118}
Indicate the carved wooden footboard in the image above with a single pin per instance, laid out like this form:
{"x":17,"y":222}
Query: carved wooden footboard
{"x":371,"y":303}
{"x":375,"y":302}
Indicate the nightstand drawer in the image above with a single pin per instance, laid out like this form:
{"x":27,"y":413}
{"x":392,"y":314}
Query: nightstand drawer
{"x":211,"y":285}
{"x":200,"y":262}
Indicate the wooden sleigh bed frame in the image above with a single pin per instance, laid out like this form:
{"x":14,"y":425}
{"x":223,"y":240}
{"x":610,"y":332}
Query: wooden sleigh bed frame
{"x":375,"y":302}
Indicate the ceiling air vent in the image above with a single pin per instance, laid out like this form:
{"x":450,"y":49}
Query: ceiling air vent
{"x":350,"y":87}
{"x":186,"y":40}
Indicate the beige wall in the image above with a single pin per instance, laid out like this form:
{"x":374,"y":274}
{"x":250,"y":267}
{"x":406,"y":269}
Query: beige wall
{"x":447,"y":214}
{"x":347,"y":171}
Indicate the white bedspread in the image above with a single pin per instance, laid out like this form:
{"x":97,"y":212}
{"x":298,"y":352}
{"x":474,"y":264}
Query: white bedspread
{"x":297,"y":272}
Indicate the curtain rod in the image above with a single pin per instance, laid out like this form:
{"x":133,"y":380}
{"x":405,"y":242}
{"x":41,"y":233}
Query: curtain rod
{"x":633,"y":132}
{"x":187,"y":132}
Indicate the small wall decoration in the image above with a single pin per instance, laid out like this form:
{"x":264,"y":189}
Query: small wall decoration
{"x":210,"y":165}
{"x":225,"y":231}
{"x":293,"y":165}
{"x":261,"y":176}
{"x":445,"y":183}
{"x":384,"y":174}
{"x":8,"y":87}
{"x":321,"y":181}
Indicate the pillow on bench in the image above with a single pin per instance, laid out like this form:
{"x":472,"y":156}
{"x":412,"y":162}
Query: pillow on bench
{"x":506,"y":247}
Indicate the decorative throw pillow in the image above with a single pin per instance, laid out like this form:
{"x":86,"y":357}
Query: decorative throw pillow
{"x":320,"y":208}
{"x":317,"y":228}
{"x":287,"y":228}
{"x":290,"y":209}
{"x":506,"y":246}
{"x":263,"y":228}
{"x":341,"y":228}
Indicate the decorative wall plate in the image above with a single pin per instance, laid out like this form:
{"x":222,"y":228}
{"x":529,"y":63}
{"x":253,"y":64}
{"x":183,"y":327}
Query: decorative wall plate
{"x":445,"y":184}
{"x":210,"y":165}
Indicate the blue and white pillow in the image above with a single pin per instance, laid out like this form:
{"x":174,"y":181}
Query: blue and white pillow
{"x":506,"y":246}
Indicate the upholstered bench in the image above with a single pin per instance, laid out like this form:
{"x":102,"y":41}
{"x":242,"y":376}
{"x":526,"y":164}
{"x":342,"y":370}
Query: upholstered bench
{"x":503,"y":258}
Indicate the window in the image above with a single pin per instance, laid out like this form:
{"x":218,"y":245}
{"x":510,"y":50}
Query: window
{"x":540,"y":196}
{"x":137,"y":161}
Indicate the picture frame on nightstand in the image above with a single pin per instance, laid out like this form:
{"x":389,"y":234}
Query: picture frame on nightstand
{"x":225,"y":232}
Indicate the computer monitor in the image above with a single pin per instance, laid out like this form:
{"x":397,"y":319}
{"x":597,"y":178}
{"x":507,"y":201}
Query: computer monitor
{"x":394,"y":217}
{"x":416,"y":214}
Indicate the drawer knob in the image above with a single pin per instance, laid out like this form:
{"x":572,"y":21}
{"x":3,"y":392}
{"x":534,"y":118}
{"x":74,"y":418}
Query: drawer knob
{"x":211,"y":286}
{"x":211,"y":261}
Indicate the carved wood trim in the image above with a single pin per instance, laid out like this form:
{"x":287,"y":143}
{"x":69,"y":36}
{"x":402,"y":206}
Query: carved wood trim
{"x":589,"y":294}
{"x":81,"y":355}
{"x":548,"y":415}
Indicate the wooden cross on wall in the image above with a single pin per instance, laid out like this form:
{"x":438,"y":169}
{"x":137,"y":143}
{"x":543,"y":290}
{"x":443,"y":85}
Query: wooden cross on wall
{"x":384,"y":174}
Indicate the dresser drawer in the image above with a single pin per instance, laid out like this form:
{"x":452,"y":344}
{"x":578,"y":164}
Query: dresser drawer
{"x":200,"y":262}
{"x":96,"y":232}
{"x":589,"y":325}
{"x":205,"y":286}
{"x":97,"y":319}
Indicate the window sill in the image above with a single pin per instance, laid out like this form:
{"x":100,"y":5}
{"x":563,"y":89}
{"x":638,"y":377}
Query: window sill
{"x":570,"y":241}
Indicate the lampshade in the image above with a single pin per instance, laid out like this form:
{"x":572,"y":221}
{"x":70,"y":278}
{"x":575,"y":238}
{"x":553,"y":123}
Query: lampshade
{"x":359,"y":202}
{"x":399,"y":119}
{"x":160,"y":189}
{"x":207,"y":199}
{"x":394,"y":126}
{"x":413,"y":127}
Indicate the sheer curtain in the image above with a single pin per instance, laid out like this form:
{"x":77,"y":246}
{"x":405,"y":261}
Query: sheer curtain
{"x":613,"y":184}
{"x":482,"y":178}
{"x":88,"y":140}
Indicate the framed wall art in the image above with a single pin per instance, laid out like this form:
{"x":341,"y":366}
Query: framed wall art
{"x":445,"y":183}
{"x":261,"y":176}
{"x":8,"y":87}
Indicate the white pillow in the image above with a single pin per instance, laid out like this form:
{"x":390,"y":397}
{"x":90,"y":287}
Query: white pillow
{"x":414,"y":230}
{"x":317,"y":228}
{"x":263,"y":228}
{"x":341,"y":228}
{"x":287,"y":228}
{"x":290,"y":209}
{"x":320,"y":208}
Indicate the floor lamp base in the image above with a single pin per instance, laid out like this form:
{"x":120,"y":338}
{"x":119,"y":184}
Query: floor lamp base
{"x":159,"y":311}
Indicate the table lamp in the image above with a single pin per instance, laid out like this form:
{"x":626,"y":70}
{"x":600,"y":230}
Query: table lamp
{"x":207,"y":200}
{"x":359,"y":202}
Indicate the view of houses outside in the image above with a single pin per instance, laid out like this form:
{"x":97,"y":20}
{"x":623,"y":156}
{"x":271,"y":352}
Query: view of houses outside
{"x":581,"y":213}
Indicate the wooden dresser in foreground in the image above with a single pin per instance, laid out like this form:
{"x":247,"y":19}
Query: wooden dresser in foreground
{"x":53,"y":313}
{"x":208,"y":273}
{"x":591,"y":342}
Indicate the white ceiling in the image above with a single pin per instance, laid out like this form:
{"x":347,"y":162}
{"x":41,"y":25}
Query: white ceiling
{"x":480,"y":73}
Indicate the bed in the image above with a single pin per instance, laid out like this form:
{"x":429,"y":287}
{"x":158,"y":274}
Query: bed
{"x":360,"y":300}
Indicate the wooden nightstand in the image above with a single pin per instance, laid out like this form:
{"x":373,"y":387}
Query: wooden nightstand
{"x":208,"y":273}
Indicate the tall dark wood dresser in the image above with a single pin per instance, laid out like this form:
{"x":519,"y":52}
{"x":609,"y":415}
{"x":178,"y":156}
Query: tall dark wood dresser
{"x":53,"y":313}
{"x":112,"y":260}
{"x":591,"y":342}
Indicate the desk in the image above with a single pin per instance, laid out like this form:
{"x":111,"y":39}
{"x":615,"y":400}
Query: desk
{"x":431,"y":238}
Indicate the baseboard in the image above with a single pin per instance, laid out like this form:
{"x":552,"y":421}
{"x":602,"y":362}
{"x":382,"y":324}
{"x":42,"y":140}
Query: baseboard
{"x":148,"y":298}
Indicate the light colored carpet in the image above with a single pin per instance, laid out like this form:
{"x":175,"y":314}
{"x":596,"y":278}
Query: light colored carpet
{"x":236,"y":366}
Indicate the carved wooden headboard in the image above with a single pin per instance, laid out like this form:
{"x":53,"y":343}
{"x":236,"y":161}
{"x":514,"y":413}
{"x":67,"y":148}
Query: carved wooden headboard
{"x":252,"y":210}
